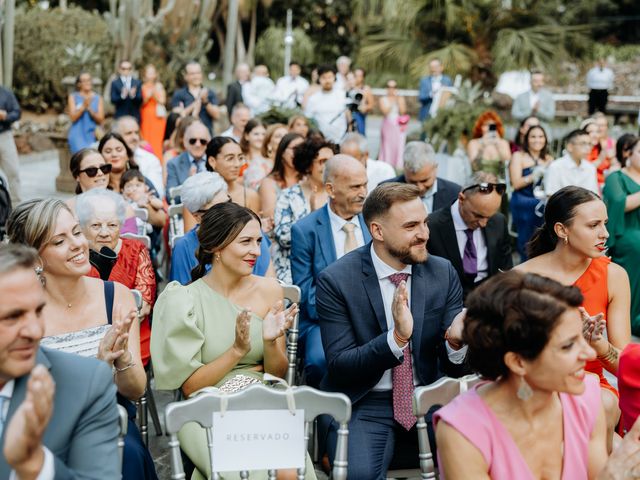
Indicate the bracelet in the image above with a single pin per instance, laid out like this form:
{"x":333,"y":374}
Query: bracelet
{"x":399,"y":338}
{"x":120,"y":370}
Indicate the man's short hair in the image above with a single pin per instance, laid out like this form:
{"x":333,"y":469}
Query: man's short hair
{"x":418,"y":155}
{"x":354,"y":138}
{"x":573,"y":134}
{"x":239,"y":106}
{"x":198,"y":190}
{"x":190,"y":63}
{"x":343,"y":59}
{"x":115,"y":126}
{"x":322,"y":69}
{"x":16,"y":255}
{"x":293,"y":62}
{"x":384,"y":196}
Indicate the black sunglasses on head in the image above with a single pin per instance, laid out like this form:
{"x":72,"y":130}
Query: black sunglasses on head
{"x":487,"y":187}
{"x":93,"y":171}
{"x":203,"y":141}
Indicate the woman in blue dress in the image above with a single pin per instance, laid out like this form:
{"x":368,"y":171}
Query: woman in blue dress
{"x":86,"y":110}
{"x":525,"y":172}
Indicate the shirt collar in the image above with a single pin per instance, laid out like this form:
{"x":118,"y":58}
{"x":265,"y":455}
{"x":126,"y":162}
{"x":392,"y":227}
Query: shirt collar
{"x":337,"y":222}
{"x":570,"y":163}
{"x":432,"y":191}
{"x":458,"y":222}
{"x":7,"y":390}
{"x":192,"y":159}
{"x":382,"y":269}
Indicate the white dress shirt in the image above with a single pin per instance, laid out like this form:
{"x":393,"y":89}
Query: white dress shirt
{"x":387,"y":290}
{"x":126,"y":86}
{"x":563,"y":172}
{"x":427,"y":198}
{"x":48,"y":471}
{"x":378,"y":172}
{"x":229,"y":133}
{"x":290,"y":90}
{"x":328,"y":109}
{"x":478,"y":239}
{"x":339,"y":235}
{"x":151,"y":168}
{"x":436,"y":84}
{"x":600,"y":78}
{"x":533,"y":98}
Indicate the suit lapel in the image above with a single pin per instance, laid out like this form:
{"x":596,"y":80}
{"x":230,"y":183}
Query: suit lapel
{"x":325,"y":236}
{"x":418,"y":299}
{"x":450,"y":240}
{"x":372,"y":287}
{"x":490,"y":241}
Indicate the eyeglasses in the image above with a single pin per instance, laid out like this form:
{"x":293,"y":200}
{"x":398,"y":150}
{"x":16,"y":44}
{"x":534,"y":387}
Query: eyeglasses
{"x":487,"y":187}
{"x":93,"y":171}
{"x":203,"y":141}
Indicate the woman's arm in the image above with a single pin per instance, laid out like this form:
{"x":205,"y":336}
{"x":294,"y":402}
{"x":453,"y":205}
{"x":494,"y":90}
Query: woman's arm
{"x":452,"y":447}
{"x":157,"y":216}
{"x":402,"y":106}
{"x":632,"y":202}
{"x":474,"y":150}
{"x":274,"y":326}
{"x":368,"y":103}
{"x":618,"y":317}
{"x":98,"y":116}
{"x":597,"y":446}
{"x":160,"y":93}
{"x":74,"y":112}
{"x":253,"y":200}
{"x":515,"y":172}
{"x":504,"y":150}
{"x":267,"y":193}
{"x":385,"y":105}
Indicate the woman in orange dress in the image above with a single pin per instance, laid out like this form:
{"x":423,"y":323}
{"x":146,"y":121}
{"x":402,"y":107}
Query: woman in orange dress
{"x":153,"y":113}
{"x":570,"y":248}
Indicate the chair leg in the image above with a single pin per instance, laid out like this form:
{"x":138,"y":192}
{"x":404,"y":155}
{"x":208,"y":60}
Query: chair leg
{"x":153,"y":410}
{"x":142,"y":419}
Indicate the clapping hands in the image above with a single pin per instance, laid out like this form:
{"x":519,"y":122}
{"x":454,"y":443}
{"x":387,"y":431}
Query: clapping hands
{"x":115,"y":344}
{"x":593,"y":328}
{"x":278,"y":321}
{"x":402,"y":317}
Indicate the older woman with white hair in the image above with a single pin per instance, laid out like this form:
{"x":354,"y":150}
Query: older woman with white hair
{"x":101,"y":213}
{"x":199,"y":193}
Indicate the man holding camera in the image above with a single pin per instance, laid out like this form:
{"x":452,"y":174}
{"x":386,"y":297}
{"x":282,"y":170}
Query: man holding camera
{"x":328,"y":107}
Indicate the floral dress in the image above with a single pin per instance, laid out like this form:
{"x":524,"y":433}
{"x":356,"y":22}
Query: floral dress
{"x":291,"y":206}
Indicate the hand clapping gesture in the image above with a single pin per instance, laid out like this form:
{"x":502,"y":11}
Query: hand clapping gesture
{"x":593,"y":327}
{"x":114,"y":347}
{"x":23,"y":436}
{"x":402,"y":318}
{"x":278,"y":321}
{"x":242,"y":343}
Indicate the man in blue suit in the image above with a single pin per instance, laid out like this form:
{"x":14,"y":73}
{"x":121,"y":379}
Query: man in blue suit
{"x":58,"y":413}
{"x":430,"y":85}
{"x":193,"y":159}
{"x":386,"y":314}
{"x":318,"y":240}
{"x":126,"y":92}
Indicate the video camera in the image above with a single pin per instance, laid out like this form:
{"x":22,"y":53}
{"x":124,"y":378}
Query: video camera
{"x":354,"y":99}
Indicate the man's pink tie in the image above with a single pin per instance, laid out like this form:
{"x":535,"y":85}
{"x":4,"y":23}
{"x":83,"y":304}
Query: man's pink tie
{"x":403,"y":378}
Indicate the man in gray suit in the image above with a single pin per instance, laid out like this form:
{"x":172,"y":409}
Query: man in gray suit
{"x":58,"y":414}
{"x":538,"y":101}
{"x":192,"y":160}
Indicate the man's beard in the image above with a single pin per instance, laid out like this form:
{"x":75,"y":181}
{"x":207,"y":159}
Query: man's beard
{"x":406,"y":256}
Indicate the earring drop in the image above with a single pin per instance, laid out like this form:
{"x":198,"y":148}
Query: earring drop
{"x":524,"y":390}
{"x":566,"y":240}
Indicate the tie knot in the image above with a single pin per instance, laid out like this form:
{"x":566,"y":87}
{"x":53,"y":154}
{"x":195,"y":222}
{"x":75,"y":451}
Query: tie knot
{"x":469,"y":233}
{"x":396,"y":278}
{"x":348,"y":227}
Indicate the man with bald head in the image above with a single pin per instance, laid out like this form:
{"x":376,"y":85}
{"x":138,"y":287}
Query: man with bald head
{"x":378,"y":171}
{"x":318,"y":240}
{"x":193,"y":159}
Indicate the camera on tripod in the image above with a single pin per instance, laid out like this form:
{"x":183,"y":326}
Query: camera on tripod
{"x":354,"y":99}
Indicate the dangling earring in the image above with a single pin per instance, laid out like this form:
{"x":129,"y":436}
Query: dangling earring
{"x":566,"y":240}
{"x":524,"y":390}
{"x":217,"y":257}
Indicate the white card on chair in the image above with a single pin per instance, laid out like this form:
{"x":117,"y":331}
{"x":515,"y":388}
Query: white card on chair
{"x":258,"y":440}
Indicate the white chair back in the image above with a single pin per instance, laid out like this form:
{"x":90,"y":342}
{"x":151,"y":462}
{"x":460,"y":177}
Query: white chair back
{"x":123,"y":419}
{"x":146,"y":241}
{"x":438,"y":393}
{"x":292,"y":294}
{"x":174,"y":193}
{"x":141,"y":214}
{"x":200,"y":409}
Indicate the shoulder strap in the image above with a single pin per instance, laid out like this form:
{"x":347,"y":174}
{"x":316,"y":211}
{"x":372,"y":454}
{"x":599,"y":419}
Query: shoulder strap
{"x":108,"y":300}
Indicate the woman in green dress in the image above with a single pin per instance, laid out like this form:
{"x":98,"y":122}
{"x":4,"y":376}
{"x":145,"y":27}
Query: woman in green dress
{"x":226,"y":328}
{"x":622,"y":196}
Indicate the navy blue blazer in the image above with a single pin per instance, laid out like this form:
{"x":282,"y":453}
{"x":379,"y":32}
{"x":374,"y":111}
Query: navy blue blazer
{"x":126,"y":106}
{"x":354,"y":329}
{"x":312,"y":250}
{"x":445,"y":196}
{"x":425,"y":94}
{"x":178,"y":169}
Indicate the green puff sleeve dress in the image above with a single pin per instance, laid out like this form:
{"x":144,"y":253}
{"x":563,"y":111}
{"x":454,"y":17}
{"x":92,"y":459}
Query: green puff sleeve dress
{"x":624,"y":235}
{"x":193,"y":325}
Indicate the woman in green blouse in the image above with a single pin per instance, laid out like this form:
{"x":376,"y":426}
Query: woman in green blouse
{"x":622,"y":196}
{"x":226,"y":328}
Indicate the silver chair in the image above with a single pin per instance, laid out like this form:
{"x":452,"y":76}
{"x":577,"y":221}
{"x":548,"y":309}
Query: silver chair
{"x":142,"y":214}
{"x":200,"y":409}
{"x":174,"y":240}
{"x":292,"y":294}
{"x":174,"y":194}
{"x":146,"y":241}
{"x":147,"y":403}
{"x":438,"y":393}
{"x":123,"y":420}
{"x":176,"y":222}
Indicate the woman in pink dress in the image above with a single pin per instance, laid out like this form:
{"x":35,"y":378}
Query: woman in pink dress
{"x":392,"y":134}
{"x":540,"y":415}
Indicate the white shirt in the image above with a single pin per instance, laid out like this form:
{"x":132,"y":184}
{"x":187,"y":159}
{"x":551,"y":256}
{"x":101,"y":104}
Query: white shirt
{"x":600,"y":78}
{"x":229,"y":133}
{"x":564,"y":172}
{"x":533,"y":98}
{"x":328,"y":110}
{"x":478,"y":239}
{"x":436,"y":83}
{"x":387,"y":290}
{"x":427,"y":198}
{"x":339,"y":235}
{"x":126,"y":86}
{"x":48,"y":471}
{"x":257,"y":94}
{"x":290,"y":90}
{"x":151,"y":168}
{"x":378,"y":172}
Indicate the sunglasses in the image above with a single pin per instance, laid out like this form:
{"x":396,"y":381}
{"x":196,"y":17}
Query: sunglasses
{"x":93,"y":171}
{"x":486,"y":187}
{"x":203,"y":141}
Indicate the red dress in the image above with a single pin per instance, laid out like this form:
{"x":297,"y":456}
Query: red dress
{"x":593,"y":284}
{"x":133,"y":269}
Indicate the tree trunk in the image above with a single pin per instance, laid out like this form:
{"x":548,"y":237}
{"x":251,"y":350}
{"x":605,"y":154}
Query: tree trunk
{"x":8,"y":35}
{"x":241,"y":49}
{"x":232,"y":28}
{"x":252,"y":36}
